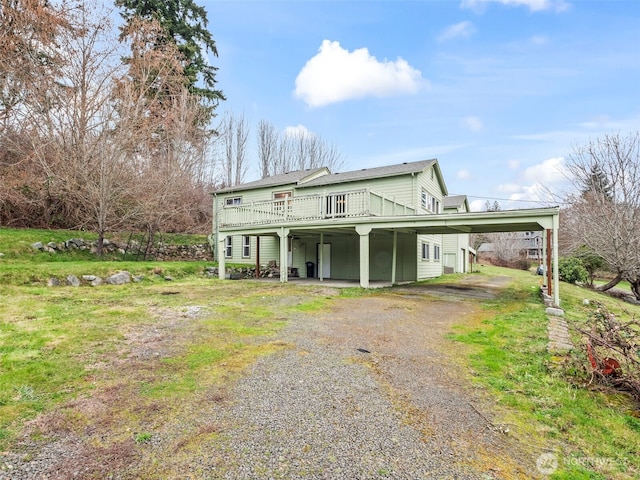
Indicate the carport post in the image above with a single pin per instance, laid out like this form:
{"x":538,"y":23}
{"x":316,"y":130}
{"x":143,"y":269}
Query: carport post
{"x":283,"y":234}
{"x":321,"y":258}
{"x":394,"y":257}
{"x":556,"y":276}
{"x":364,"y":231}
{"x":221,"y":254}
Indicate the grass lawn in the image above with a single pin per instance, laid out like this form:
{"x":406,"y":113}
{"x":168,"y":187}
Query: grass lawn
{"x":126,"y":364}
{"x":591,"y":433}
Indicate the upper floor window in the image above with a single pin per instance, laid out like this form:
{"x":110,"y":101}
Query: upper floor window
{"x":435,"y":205}
{"x":429,"y":202}
{"x":230,"y":201}
{"x":280,"y":197}
{"x":424,"y":198}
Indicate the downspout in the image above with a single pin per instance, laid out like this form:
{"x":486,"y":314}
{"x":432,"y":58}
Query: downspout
{"x":414,"y":190}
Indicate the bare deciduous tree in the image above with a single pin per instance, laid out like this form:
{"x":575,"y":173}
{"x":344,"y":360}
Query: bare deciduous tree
{"x":298,"y":149}
{"x":28,"y":60}
{"x":234,"y":136}
{"x":167,"y":142}
{"x":268,"y":140}
{"x":607,"y":221}
{"x":82,"y":159}
{"x":507,"y":246}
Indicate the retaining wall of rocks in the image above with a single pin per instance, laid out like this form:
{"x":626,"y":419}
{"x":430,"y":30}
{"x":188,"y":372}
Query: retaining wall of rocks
{"x":160,"y":252}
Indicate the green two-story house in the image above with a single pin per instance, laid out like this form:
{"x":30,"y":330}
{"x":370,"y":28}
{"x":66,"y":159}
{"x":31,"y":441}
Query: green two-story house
{"x":322,"y":216}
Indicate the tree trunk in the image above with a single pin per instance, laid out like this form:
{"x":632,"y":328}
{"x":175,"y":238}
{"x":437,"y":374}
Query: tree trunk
{"x":100,"y":244}
{"x":635,"y":287}
{"x":611,"y":284}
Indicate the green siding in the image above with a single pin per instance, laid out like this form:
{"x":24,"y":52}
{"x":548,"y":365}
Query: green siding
{"x":429,"y":268}
{"x":344,"y":262}
{"x":269,"y":250}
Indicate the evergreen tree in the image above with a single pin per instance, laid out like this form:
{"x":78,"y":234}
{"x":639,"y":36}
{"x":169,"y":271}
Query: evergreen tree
{"x":488,"y":207}
{"x":184,"y":24}
{"x":596,"y":182}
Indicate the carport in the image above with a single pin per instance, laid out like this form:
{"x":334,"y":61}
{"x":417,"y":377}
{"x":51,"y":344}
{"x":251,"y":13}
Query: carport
{"x":546,"y":219}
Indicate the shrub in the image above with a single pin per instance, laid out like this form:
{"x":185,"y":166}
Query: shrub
{"x":591,"y":262}
{"x":572,"y":270}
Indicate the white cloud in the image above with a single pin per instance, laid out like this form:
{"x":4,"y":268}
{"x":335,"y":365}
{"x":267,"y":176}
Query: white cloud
{"x":472,"y":123}
{"x":551,"y":171}
{"x":533,"y":5}
{"x":458,"y":30}
{"x":463,"y":175}
{"x":514,"y":164}
{"x":538,"y":185}
{"x":335,"y":74}
{"x":297,"y":131}
{"x":536,"y":194}
{"x":477,"y":205}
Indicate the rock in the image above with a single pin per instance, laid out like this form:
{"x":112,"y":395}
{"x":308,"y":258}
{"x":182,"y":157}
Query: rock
{"x":96,"y":282}
{"x":53,"y":282}
{"x":1,"y":254}
{"x":53,"y":245}
{"x":89,"y":278}
{"x":73,"y":281}
{"x":37,"y":246}
{"x":75,"y":243}
{"x":586,"y":301}
{"x":119,"y":278}
{"x":138,"y":278}
{"x":168,"y":278}
{"x":558,"y":312}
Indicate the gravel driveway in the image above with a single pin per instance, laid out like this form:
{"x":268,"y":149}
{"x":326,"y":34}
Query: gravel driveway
{"x":368,"y":390}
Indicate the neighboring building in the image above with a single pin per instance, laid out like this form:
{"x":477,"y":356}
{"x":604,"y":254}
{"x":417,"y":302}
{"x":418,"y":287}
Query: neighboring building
{"x":527,"y":245}
{"x":393,"y":224}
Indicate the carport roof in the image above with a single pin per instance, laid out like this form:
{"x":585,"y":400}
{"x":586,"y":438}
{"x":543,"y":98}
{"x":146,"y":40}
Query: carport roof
{"x":451,"y":223}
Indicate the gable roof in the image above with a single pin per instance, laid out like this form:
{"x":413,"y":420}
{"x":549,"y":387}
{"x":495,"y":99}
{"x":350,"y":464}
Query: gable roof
{"x":296,"y":177}
{"x":370,"y":173}
{"x":321,"y":176}
{"x":455,"y":201}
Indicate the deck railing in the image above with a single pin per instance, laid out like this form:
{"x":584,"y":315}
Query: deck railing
{"x":330,"y":205}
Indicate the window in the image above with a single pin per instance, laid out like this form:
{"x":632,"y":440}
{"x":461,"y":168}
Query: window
{"x":425,"y":251}
{"x":435,"y":205}
{"x":336,"y":205}
{"x":436,"y":252}
{"x":228,"y":247}
{"x":231,"y":201}
{"x":278,"y":205}
{"x":246,"y":246}
{"x":429,"y":202}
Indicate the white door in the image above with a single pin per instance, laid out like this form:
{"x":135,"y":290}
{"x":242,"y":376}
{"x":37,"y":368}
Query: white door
{"x":326,"y":260}
{"x":450,"y":260}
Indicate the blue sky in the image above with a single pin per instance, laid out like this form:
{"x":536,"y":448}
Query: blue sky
{"x":500,"y":91}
